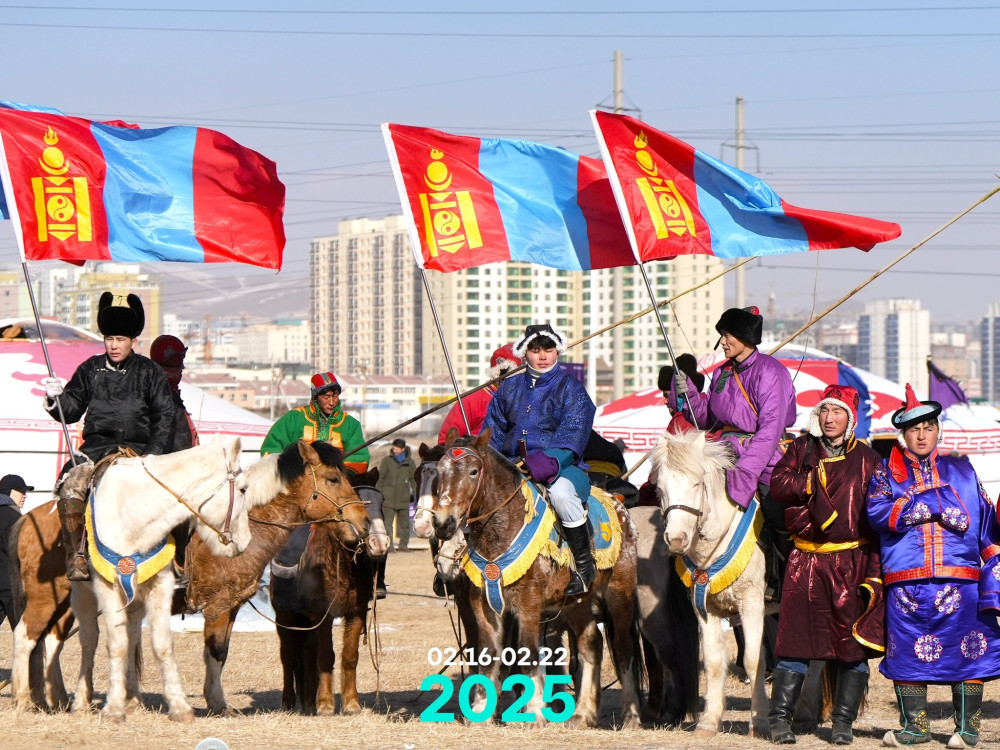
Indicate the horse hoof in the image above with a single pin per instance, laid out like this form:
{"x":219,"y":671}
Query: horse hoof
{"x":112,"y":718}
{"x":701,"y":732}
{"x":632,"y":722}
{"x":325,"y":709}
{"x":132,"y":704}
{"x":581,"y":722}
{"x":183,"y":717}
{"x":353,"y":708}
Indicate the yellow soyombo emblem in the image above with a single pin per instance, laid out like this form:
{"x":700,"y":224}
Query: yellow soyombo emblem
{"x":62,"y":202}
{"x":449,"y":216}
{"x":667,"y":208}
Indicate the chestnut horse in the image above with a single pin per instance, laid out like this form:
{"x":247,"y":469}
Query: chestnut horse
{"x":334,"y":578}
{"x":478,"y":486}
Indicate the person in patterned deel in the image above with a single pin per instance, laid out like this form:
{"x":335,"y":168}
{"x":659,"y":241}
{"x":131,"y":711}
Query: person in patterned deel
{"x":940,"y":545}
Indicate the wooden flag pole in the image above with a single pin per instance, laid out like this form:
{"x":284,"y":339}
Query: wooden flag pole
{"x":444,"y":347}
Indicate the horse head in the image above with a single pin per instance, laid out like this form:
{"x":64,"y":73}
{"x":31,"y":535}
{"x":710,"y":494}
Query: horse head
{"x":425,"y":480}
{"x":326,"y":494}
{"x":448,"y":560}
{"x":460,"y":478}
{"x":378,"y":541}
{"x":221,"y":520}
{"x":690,"y":475}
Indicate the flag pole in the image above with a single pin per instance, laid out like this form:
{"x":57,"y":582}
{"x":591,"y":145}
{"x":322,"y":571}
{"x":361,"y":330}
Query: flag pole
{"x":48,"y":362}
{"x":444,"y":346}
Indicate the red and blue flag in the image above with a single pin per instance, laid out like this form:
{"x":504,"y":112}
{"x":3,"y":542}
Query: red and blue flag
{"x":472,"y":201}
{"x":79,"y":190}
{"x":677,"y":200}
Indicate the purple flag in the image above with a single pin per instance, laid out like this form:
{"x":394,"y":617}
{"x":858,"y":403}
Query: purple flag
{"x":944,"y":389}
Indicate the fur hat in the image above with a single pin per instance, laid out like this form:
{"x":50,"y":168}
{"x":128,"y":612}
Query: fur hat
{"x":322,"y":382}
{"x":689,"y":366}
{"x":745,"y":323}
{"x":914,"y":411}
{"x":168,"y":351}
{"x":846,"y":398}
{"x":534,"y":332}
{"x":503,"y":359}
{"x":120,"y":316}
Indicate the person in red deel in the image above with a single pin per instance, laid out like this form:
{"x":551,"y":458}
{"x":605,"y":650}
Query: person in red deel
{"x":168,"y":352}
{"x":501,"y":363}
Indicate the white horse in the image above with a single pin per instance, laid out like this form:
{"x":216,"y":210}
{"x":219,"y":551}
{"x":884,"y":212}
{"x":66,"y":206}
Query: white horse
{"x":136,"y":504}
{"x":700,"y":522}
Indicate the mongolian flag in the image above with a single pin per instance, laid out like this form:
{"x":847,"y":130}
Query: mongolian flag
{"x":471,"y":201}
{"x":677,"y":200}
{"x":79,"y":190}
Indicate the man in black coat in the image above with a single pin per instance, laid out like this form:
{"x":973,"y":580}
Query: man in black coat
{"x":128,"y":405}
{"x":12,"y":492}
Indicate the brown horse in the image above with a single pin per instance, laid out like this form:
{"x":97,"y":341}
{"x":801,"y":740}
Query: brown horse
{"x":334,"y":577}
{"x":305,"y":483}
{"x":476,"y":485}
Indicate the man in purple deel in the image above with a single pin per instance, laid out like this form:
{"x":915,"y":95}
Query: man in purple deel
{"x":752,"y":402}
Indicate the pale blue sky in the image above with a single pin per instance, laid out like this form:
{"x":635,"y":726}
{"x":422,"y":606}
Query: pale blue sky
{"x":890,"y":110}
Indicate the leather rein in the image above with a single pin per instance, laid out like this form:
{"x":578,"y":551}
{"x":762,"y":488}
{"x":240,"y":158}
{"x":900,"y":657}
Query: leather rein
{"x":456,"y":454}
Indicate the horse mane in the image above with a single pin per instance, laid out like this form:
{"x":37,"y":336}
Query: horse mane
{"x":271,"y":475}
{"x":682,"y":453}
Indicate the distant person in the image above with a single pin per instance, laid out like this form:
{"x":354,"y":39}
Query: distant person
{"x":168,"y":352}
{"x":395,"y":482}
{"x":13,"y":490}
{"x":128,"y":407}
{"x":476,"y":404}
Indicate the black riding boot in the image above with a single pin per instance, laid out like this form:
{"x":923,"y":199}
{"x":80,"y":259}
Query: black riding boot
{"x":912,"y":700}
{"x":785,"y":688}
{"x":851,"y":689}
{"x":580,"y":579}
{"x":71,"y":502}
{"x":967,"y":698}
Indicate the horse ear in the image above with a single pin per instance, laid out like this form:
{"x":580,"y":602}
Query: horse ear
{"x":234,"y":451}
{"x":699,"y":441}
{"x":483,"y":439}
{"x":451,"y":437}
{"x":308,"y":453}
{"x":422,"y":451}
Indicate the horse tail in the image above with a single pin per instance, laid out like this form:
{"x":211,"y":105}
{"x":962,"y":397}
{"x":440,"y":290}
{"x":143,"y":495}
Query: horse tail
{"x":686,"y":634}
{"x":137,"y":660}
{"x":829,"y":683}
{"x":638,"y":660}
{"x":18,"y":594}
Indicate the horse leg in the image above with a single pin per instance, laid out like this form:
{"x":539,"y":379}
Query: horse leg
{"x":158,"y":601}
{"x":216,"y":635}
{"x":116,"y":622}
{"x":752,"y":615}
{"x":324,"y":663}
{"x":623,"y":650}
{"x":710,"y":720}
{"x":20,"y":671}
{"x":353,"y":627}
{"x":289,"y":649}
{"x":55,"y":688}
{"x":489,"y":625}
{"x":84,"y":603}
{"x":589,"y":650}
{"x":132,"y":690}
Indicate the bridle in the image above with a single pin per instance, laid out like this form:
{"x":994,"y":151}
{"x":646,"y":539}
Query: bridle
{"x":696,"y":512}
{"x":431,"y":468}
{"x":339,"y":517}
{"x":457,"y":454}
{"x":225,"y":536}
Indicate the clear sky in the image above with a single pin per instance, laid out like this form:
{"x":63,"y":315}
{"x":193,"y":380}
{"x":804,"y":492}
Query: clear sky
{"x":888,"y":108}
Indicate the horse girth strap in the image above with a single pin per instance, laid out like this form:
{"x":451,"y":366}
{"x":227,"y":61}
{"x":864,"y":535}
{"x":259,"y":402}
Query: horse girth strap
{"x":225,"y":536}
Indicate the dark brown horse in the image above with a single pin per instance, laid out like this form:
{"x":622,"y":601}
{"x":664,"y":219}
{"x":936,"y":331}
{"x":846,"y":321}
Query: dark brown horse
{"x":332,"y":577}
{"x":476,"y":485}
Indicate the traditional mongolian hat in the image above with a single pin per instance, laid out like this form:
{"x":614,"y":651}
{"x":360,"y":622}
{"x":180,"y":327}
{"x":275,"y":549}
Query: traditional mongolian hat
{"x":542,"y":330}
{"x":323,"y":382}
{"x":744,"y":323}
{"x":914,"y":411}
{"x":846,"y":398}
{"x":168,"y":351}
{"x":688,"y":365}
{"x":503,"y":359}
{"x":118,"y":315}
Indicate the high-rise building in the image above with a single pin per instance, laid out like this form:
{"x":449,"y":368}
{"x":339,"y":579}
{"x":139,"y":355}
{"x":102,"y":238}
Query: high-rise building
{"x":894,"y":340}
{"x":989,"y":336}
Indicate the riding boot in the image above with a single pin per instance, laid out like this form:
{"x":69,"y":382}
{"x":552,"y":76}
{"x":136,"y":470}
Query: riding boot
{"x":578,"y":538}
{"x":967,"y":698}
{"x":71,"y":502}
{"x":851,"y":688}
{"x":785,"y":688}
{"x":916,"y":729}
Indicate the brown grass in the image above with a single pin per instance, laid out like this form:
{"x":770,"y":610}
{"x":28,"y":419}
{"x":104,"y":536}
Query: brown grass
{"x":411,"y":621}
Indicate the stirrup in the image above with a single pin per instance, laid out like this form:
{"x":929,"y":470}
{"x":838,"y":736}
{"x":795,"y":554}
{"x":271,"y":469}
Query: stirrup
{"x":576,"y":585}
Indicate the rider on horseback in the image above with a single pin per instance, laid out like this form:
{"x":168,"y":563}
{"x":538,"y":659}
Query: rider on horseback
{"x":544,"y":417}
{"x":477,"y":403}
{"x":128,"y":405}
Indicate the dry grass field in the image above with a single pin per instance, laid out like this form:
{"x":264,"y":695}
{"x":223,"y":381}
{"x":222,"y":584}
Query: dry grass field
{"x":411,"y":621}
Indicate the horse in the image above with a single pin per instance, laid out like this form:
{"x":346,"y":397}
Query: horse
{"x":668,"y":625}
{"x":304,"y":484}
{"x":130,"y":560}
{"x":284,"y":490}
{"x":333,"y":577}
{"x":700,"y":524}
{"x":476,"y":481}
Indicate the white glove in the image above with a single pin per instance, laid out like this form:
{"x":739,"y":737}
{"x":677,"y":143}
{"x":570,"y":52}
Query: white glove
{"x":53,"y":387}
{"x":682,"y":386}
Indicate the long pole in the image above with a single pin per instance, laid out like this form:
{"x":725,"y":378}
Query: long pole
{"x":444,"y":347}
{"x":48,"y":362}
{"x":618,"y":273}
{"x":741,"y":277}
{"x":885,"y":268}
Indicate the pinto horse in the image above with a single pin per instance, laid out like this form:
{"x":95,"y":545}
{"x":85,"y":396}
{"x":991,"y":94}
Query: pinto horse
{"x":335,"y":577}
{"x":476,"y":485}
{"x":701,"y":524}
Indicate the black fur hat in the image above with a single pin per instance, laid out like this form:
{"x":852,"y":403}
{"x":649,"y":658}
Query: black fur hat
{"x":745,"y":323}
{"x":118,"y":315}
{"x":689,"y":366}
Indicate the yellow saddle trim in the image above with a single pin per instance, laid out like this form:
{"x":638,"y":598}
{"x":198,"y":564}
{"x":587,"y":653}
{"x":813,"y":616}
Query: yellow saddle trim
{"x":734,"y":568}
{"x":542,"y":545}
{"x":144,"y":571}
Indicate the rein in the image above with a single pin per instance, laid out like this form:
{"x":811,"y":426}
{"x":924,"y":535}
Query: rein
{"x":455,"y":454}
{"x":225,"y":536}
